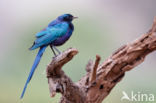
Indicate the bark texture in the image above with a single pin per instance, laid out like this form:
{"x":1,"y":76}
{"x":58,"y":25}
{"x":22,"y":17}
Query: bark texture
{"x":99,"y":79}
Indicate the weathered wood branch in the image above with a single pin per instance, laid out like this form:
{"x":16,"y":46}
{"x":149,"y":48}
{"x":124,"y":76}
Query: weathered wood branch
{"x":100,"y":79}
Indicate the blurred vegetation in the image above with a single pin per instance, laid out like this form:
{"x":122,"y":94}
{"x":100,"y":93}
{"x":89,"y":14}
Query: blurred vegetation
{"x":93,"y":35}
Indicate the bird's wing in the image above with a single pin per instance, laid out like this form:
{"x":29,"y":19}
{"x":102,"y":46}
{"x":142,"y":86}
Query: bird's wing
{"x":53,"y":23}
{"x":41,"y":33}
{"x":51,"y":35}
{"x":44,"y":31}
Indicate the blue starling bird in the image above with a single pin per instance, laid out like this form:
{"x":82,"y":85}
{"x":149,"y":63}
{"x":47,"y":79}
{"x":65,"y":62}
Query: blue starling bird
{"x":55,"y":34}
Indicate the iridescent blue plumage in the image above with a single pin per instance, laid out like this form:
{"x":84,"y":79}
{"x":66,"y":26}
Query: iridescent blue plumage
{"x":55,"y":34}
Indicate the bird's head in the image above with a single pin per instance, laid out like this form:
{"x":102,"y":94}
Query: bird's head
{"x":66,"y":17}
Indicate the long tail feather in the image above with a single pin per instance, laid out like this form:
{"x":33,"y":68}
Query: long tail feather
{"x":36,"y":62}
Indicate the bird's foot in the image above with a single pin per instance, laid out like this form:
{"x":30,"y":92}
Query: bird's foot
{"x":57,"y":50}
{"x":55,"y":55}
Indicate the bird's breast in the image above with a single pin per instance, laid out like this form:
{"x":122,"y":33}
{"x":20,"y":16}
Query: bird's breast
{"x":61,"y":40}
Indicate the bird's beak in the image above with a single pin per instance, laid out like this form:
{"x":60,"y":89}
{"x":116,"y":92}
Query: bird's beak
{"x":75,"y":17}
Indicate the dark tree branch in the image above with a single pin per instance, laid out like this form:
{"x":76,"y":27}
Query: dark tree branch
{"x":99,"y":80}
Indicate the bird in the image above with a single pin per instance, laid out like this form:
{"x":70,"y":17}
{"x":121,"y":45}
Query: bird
{"x":55,"y":34}
{"x":125,"y":96}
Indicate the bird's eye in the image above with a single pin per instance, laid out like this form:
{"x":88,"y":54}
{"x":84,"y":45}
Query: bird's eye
{"x":67,"y":18}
